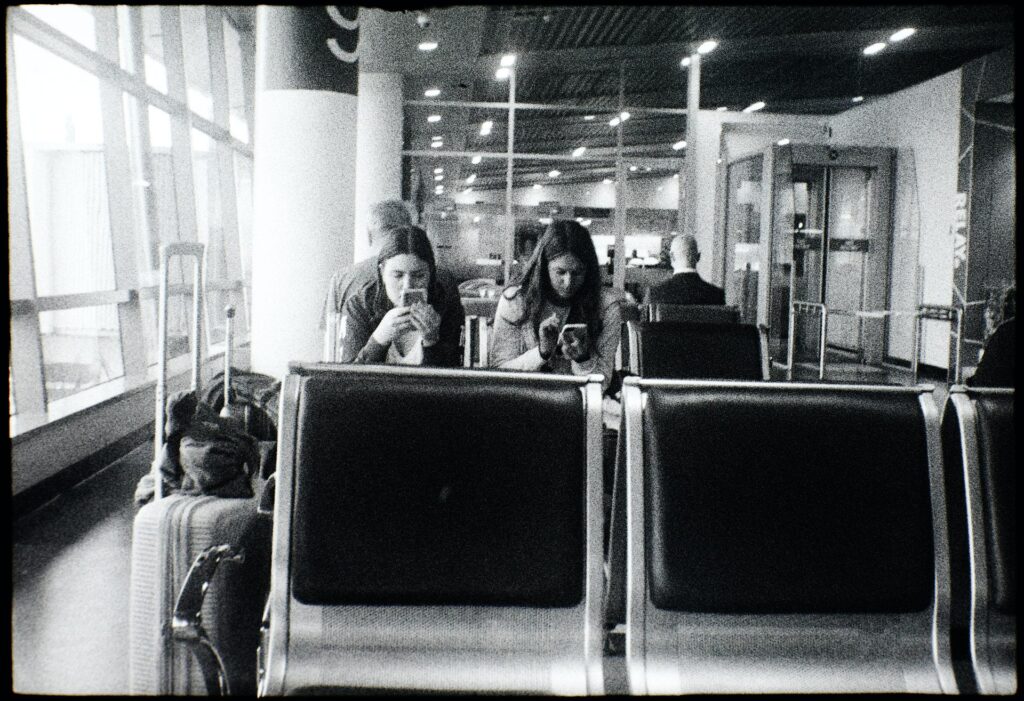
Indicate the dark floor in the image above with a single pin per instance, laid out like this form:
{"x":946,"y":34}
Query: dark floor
{"x":71,"y":561}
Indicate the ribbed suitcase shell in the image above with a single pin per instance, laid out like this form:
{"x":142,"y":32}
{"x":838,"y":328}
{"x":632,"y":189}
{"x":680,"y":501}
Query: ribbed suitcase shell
{"x":168,"y":535}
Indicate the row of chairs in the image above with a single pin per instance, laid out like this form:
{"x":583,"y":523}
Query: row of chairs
{"x":442,"y":530}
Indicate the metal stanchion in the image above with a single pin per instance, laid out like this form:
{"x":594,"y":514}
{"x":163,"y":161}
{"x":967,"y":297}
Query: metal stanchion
{"x":806,"y":308}
{"x":938,"y":312}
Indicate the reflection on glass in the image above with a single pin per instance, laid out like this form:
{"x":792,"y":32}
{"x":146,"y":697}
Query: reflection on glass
{"x":62,"y":129}
{"x":76,"y":21}
{"x":742,"y":235}
{"x":81,"y":348}
{"x":197,"y":59}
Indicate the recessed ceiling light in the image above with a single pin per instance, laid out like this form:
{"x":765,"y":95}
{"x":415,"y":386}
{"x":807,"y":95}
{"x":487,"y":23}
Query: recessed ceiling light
{"x":614,"y":122}
{"x":431,"y":92}
{"x":675,"y":176}
{"x":435,"y":138}
{"x":502,"y":73}
{"x":436,"y":144}
{"x":721,"y":109}
{"x":508,"y":60}
{"x":685,"y":62}
{"x":607,"y":181}
{"x":783,"y":142}
{"x":485,"y":128}
{"x":719,"y":161}
{"x":660,"y":188}
{"x":471,"y":179}
{"x":545,"y":220}
{"x":707,"y":47}
{"x":438,"y":177}
{"x":439,"y":188}
{"x":874,"y":48}
{"x":632,"y":169}
{"x":754,"y":107}
{"x":438,"y":170}
{"x":589,"y":117}
{"x":624,"y":116}
{"x":586,"y":222}
{"x":859,"y":98}
{"x":536,"y":186}
{"x":434,"y":118}
{"x":554,"y":173}
{"x":578,"y":151}
{"x":902,"y":34}
{"x":678,"y":145}
{"x":647,"y":169}
{"x":476,"y":159}
{"x":427,"y":45}
{"x":476,"y":220}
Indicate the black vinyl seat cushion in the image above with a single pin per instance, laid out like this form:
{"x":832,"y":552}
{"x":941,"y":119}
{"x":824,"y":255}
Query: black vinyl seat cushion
{"x":706,"y":313}
{"x":413,"y":491}
{"x":692,"y":350}
{"x":774,"y":502}
{"x":998,"y":457}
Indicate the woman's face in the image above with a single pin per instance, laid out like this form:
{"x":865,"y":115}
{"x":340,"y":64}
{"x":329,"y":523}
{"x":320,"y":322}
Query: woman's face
{"x":566,"y":274}
{"x":404,"y":272}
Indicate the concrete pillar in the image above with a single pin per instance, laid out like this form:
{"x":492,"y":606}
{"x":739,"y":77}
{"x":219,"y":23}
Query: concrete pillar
{"x":378,"y":148}
{"x":304,"y":180}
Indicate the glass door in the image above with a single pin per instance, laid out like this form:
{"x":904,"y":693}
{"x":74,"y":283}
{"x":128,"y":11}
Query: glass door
{"x":742,"y":235}
{"x":848,"y":249}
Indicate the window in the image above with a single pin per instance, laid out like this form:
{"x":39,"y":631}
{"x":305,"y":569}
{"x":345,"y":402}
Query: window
{"x":197,"y":60}
{"x":237,"y":111}
{"x":81,"y":348}
{"x":76,"y":21}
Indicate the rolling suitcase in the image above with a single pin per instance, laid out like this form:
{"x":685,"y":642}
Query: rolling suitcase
{"x":194,"y":625}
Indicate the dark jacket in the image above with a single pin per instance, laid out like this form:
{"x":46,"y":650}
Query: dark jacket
{"x":998,"y":366}
{"x":684,"y":288}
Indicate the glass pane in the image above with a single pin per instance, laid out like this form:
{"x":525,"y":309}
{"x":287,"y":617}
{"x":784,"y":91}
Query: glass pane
{"x":152,"y":37}
{"x":237,"y":113}
{"x":81,"y":348}
{"x":179,"y":325}
{"x":743,"y":235}
{"x":143,"y":204}
{"x":162,"y":183}
{"x":197,"y":59}
{"x":210,"y":227}
{"x":849,"y":205}
{"x":125,"y":39}
{"x":243,"y":197}
{"x":74,"y":20}
{"x":62,"y":128}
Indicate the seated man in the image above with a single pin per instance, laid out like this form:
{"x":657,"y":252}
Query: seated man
{"x":998,"y":366}
{"x":685,"y":286}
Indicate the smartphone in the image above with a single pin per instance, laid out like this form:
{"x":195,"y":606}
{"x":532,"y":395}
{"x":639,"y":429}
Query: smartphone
{"x":574,"y":332}
{"x":412,"y":296}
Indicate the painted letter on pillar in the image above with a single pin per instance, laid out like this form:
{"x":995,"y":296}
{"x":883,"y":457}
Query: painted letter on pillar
{"x":305,"y":151}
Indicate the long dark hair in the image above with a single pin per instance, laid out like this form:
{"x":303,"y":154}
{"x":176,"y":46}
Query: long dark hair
{"x":562,"y":236}
{"x":405,"y":239}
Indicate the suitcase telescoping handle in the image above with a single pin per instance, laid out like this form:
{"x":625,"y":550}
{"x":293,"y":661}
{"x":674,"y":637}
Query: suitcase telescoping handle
{"x":229,"y":333}
{"x":168,"y":251}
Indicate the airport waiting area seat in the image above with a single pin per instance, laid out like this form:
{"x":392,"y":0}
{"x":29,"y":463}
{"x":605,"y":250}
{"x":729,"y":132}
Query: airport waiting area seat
{"x":436,"y":531}
{"x":978,"y":439}
{"x":694,"y":350}
{"x":783,"y":538}
{"x":706,"y":313}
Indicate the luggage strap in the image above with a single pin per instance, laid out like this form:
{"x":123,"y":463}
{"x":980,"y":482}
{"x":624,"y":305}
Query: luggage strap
{"x":187,"y":620}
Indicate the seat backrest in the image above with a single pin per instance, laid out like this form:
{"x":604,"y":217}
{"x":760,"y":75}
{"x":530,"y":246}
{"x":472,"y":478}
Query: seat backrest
{"x":480,"y":306}
{"x":979,"y":447}
{"x":787,"y":538}
{"x":692,"y":350}
{"x":707,"y":313}
{"x":460,"y":509}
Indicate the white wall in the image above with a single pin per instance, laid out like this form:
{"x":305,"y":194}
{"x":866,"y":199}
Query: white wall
{"x":922,"y":123}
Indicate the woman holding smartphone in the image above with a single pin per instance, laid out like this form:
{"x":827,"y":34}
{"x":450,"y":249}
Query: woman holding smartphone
{"x":404,"y":316}
{"x":559,"y":316}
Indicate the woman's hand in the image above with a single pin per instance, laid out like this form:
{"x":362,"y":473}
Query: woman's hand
{"x":427,"y":321}
{"x":547,"y":336}
{"x":394,"y":322}
{"x":575,"y":347}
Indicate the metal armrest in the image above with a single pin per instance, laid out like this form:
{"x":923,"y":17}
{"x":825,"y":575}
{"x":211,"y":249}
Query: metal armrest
{"x":187,"y":621}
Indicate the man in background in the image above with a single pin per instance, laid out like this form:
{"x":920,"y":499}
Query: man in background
{"x":685,"y":286}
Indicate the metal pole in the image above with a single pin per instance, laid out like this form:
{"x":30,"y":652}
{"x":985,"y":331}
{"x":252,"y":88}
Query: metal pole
{"x":792,"y":340}
{"x":229,"y":313}
{"x":821,"y":343}
{"x":917,"y":343}
{"x":510,"y":224}
{"x":958,"y":312}
{"x":692,"y":110}
{"x":619,"y":276}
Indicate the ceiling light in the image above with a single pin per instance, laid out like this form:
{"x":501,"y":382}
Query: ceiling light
{"x":874,"y":48}
{"x":435,"y":138}
{"x":614,"y":122}
{"x":438,"y":177}
{"x":660,"y":188}
{"x":754,"y":107}
{"x":707,"y":47}
{"x":647,"y":169}
{"x":589,"y":117}
{"x":783,"y":142}
{"x":536,"y":186}
{"x":427,"y":45}
{"x":632,"y":169}
{"x":578,"y":151}
{"x":586,"y":222}
{"x":438,"y":170}
{"x":624,"y":116}
{"x":476,"y":220}
{"x":607,"y":181}
{"x":902,"y":34}
{"x":554,"y":173}
{"x":467,"y":191}
{"x":675,"y":176}
{"x":432,"y":92}
{"x":685,"y":62}
{"x":434,"y":118}
{"x":436,"y":144}
{"x":485,"y":128}
{"x":439,"y":188}
{"x":721,"y":109}
{"x":545,"y":220}
{"x":502,"y":73}
{"x":678,"y":145}
{"x":476,"y":159}
{"x":471,"y":179}
{"x":579,"y":220}
{"x":859,"y":98}
{"x":508,"y":60}
{"x":719,"y":161}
